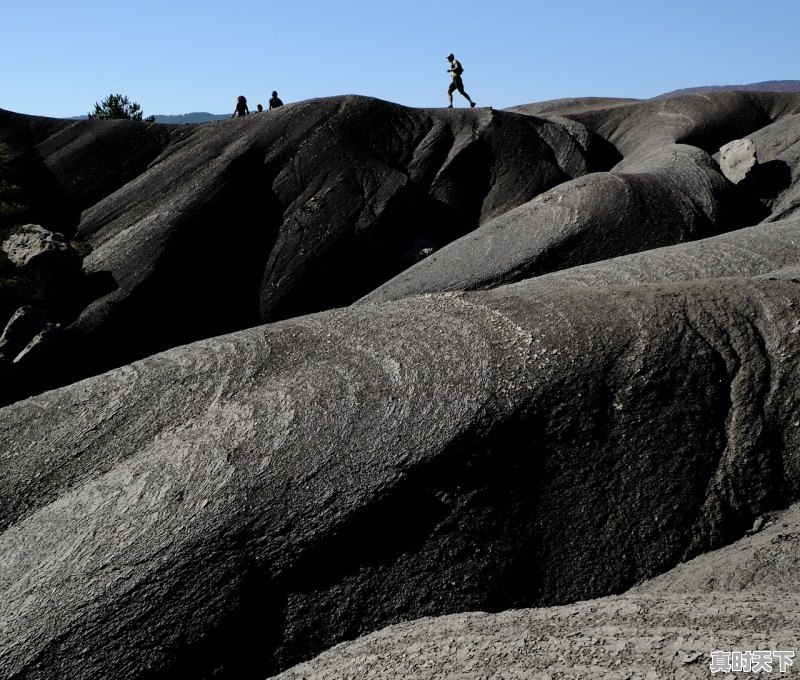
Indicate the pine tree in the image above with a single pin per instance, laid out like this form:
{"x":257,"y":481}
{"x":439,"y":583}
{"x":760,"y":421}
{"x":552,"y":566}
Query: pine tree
{"x":118,"y":107}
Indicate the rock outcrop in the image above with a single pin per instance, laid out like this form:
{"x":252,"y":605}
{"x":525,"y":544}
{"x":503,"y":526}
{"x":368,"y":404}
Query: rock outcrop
{"x":738,"y":160}
{"x":666,"y":196}
{"x":310,"y":207}
{"x":706,"y":120}
{"x":231,"y":507}
{"x":317,"y":479}
{"x":778,"y":181}
{"x":39,"y":268}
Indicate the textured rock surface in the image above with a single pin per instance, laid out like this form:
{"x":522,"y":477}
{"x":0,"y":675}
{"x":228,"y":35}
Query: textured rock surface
{"x":707,"y":120}
{"x":738,"y":160}
{"x":743,"y":597}
{"x":244,"y":221}
{"x":253,"y":499}
{"x":31,"y":247}
{"x":666,"y":196}
{"x":755,"y":251}
{"x":229,"y":508}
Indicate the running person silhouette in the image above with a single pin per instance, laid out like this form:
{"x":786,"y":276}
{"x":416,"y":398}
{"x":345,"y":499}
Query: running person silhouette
{"x":455,"y":72}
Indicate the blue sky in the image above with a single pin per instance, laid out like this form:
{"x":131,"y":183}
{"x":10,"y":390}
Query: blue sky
{"x":174,"y":56}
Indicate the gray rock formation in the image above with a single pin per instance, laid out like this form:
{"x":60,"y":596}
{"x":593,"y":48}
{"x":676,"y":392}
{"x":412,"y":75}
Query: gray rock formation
{"x":31,"y":248}
{"x":738,"y":160}
{"x":229,"y":508}
{"x":66,"y":166}
{"x":250,"y":500}
{"x":706,"y":120}
{"x":668,"y":195}
{"x":305,"y":209}
{"x":743,"y":597}
{"x":778,"y":182}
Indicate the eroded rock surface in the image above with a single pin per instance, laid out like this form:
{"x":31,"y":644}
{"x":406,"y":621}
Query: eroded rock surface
{"x":743,"y":597}
{"x":239,"y":222}
{"x":318,"y":479}
{"x":229,"y":508}
{"x":666,"y":196}
{"x":706,"y":120}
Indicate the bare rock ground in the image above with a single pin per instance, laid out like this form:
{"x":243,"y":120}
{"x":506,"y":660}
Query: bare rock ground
{"x":231,"y":507}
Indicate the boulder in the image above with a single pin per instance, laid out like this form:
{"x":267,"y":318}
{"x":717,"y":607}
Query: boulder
{"x":39,"y":252}
{"x":43,"y":271}
{"x":738,"y":160}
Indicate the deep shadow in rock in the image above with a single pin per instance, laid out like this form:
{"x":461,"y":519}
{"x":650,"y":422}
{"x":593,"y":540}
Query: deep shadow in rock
{"x":771,"y":179}
{"x":44,"y":197}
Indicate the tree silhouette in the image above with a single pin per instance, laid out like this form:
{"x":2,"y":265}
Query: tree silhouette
{"x":118,"y":107}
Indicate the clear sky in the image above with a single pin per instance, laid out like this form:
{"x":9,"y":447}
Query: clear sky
{"x":58,"y":57}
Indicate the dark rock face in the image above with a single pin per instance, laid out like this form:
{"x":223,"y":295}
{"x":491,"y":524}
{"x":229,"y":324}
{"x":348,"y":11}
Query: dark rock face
{"x":778,"y":180}
{"x":66,"y":166}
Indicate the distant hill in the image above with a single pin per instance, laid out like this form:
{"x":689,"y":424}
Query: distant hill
{"x":196,"y":117}
{"x":766,"y":86}
{"x":183,"y":118}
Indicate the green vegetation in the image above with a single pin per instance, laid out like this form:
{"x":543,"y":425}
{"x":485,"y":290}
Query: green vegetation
{"x":12,"y":213}
{"x":118,"y":107}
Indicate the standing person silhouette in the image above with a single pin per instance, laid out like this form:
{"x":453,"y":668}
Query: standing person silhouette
{"x":241,"y":108}
{"x":275,"y":102}
{"x":455,"y":72}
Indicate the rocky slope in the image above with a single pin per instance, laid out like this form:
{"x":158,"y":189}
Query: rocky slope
{"x":212,"y":228}
{"x":594,"y":382}
{"x":667,"y":628}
